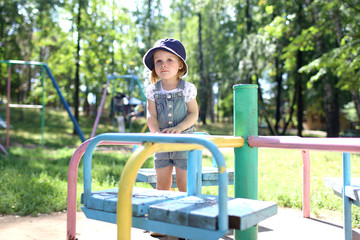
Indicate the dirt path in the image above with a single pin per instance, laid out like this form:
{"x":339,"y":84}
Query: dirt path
{"x":287,"y":224}
{"x":53,"y":227}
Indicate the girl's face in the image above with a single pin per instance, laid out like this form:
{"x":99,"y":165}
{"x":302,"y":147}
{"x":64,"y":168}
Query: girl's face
{"x":167,"y":65}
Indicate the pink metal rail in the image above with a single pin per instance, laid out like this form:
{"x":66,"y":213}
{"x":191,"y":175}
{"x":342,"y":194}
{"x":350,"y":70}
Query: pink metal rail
{"x":305,"y":144}
{"x":72,"y":184}
{"x":100,"y":109}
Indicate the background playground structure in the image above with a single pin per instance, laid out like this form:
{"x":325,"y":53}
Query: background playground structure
{"x":8,"y":98}
{"x":132,"y":82}
{"x":14,"y":120}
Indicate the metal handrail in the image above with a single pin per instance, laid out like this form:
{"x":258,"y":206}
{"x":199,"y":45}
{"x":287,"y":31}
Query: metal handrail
{"x":183,"y":142}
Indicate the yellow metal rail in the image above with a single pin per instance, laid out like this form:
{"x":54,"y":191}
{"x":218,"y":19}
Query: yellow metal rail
{"x":137,"y":159}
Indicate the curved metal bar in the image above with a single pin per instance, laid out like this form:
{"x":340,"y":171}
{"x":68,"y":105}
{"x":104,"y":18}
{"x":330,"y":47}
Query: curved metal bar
{"x":166,"y":138}
{"x":221,"y":141}
{"x":126,"y":183}
{"x":71,"y":195}
{"x":206,"y":141}
{"x":72,"y":185}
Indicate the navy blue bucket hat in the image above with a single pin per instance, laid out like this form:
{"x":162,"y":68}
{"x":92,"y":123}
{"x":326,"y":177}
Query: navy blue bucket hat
{"x":170,"y":45}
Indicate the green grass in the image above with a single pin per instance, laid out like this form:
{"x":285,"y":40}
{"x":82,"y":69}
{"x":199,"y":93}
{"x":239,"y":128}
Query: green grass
{"x":33,"y":180}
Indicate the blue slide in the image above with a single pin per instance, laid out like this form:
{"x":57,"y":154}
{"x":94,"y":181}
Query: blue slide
{"x":73,"y":119}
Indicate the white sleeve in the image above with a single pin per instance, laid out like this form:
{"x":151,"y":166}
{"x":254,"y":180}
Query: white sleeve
{"x":149,"y":92}
{"x":190,"y":91}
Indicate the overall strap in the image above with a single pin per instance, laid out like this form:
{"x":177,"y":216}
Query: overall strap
{"x":158,"y":86}
{"x":181,"y":84}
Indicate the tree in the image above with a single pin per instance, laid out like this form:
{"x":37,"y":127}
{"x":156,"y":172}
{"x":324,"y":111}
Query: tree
{"x":77,"y":60}
{"x":303,"y":56}
{"x":343,"y":59}
{"x":203,"y":102}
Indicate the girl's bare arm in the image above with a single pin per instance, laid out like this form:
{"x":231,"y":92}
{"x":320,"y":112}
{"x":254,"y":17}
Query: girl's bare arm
{"x":151,"y":117}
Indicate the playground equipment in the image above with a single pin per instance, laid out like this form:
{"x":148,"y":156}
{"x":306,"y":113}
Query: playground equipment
{"x":341,"y":186}
{"x":245,"y":129}
{"x":103,"y":204}
{"x":132,"y":80}
{"x":56,"y":86}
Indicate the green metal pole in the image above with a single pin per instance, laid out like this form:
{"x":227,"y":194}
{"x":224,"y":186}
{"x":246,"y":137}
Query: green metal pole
{"x":246,"y":158}
{"x":43,"y":106}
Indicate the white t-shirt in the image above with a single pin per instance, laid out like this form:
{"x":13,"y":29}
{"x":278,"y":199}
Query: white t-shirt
{"x":189,"y":91}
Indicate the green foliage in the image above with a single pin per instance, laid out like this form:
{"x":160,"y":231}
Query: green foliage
{"x":241,"y":43}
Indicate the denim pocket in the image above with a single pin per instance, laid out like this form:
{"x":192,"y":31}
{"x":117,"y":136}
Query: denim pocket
{"x":159,"y":108}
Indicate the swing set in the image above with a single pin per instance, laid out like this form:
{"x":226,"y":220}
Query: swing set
{"x":42,"y":107}
{"x":133,"y":80}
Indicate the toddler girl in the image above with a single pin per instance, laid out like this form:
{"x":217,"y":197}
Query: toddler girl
{"x":171,"y":106}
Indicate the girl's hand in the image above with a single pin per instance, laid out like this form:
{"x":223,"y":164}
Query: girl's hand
{"x":171,"y":130}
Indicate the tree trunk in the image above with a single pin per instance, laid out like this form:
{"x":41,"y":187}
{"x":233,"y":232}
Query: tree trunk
{"x":2,"y":47}
{"x":300,"y":103}
{"x":181,"y":19}
{"x":28,"y":90}
{"x":356,"y":99}
{"x":112,"y":65}
{"x":202,"y":79}
{"x":248,"y":17}
{"x":337,"y":22}
{"x":148,"y":17}
{"x":290,"y":114}
{"x":331,"y":105}
{"x":278,"y":79}
{"x":211,"y":75}
{"x":77,"y":71}
{"x":298,"y":76}
{"x":266,"y":115}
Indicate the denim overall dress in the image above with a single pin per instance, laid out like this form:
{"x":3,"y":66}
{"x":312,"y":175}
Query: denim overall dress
{"x":171,"y":109}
